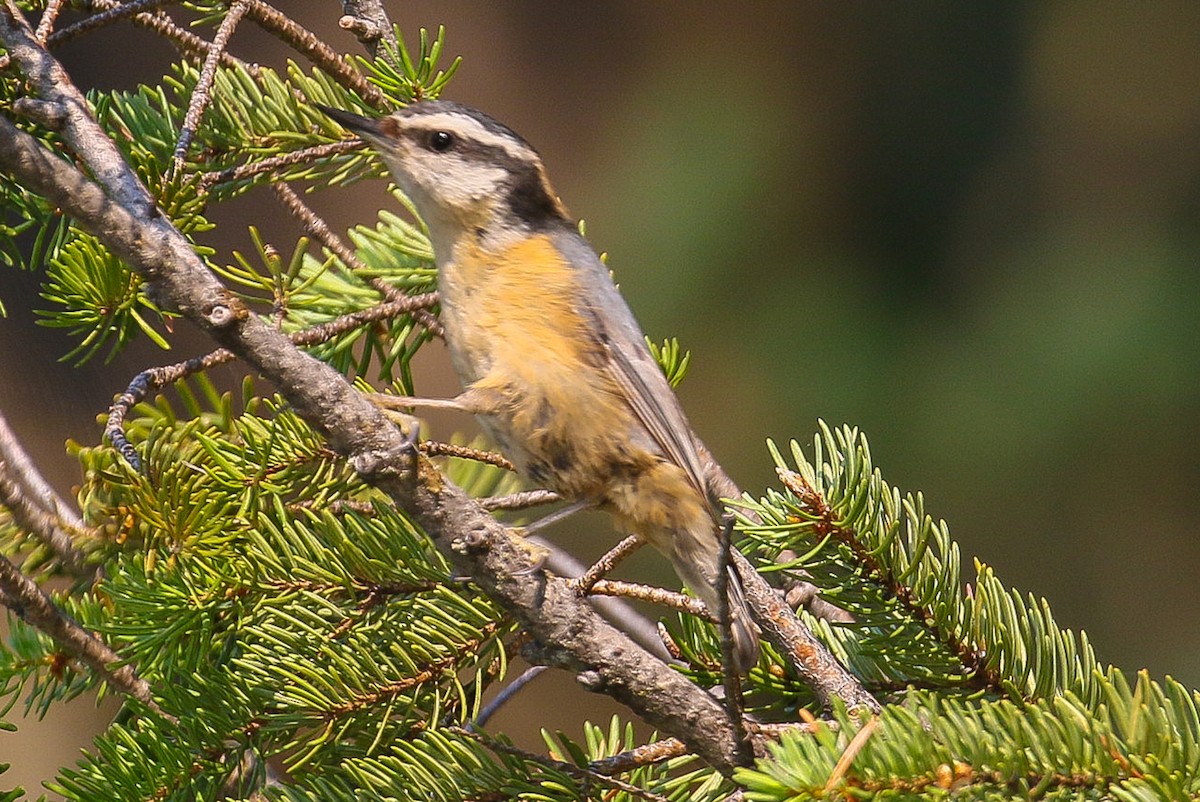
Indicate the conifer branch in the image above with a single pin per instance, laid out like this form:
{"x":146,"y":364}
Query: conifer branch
{"x":319,"y":230}
{"x":584,"y":773}
{"x":98,"y":20}
{"x":648,"y":593}
{"x":33,"y":606}
{"x":320,"y":54}
{"x":188,"y":43}
{"x":156,"y":378}
{"x":241,"y":172}
{"x":572,"y":634}
{"x":202,"y":94}
{"x":826,"y":524}
{"x":36,"y":508}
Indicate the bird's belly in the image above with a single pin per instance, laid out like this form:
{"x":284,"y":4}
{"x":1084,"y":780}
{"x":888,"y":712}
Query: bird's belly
{"x":534,"y":369}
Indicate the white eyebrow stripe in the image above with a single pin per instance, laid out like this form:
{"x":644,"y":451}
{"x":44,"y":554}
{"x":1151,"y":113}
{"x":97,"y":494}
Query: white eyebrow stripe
{"x":471,"y":129}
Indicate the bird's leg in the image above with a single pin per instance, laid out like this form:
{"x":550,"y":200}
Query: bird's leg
{"x":555,"y":517}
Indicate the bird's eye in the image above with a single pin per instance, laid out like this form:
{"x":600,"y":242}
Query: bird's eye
{"x":441,"y":141}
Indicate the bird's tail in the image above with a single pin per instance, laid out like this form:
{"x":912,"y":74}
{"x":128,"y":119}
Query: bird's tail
{"x":742,"y":628}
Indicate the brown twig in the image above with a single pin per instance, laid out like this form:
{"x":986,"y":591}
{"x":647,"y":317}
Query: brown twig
{"x":243,"y":171}
{"x":435,"y":448}
{"x":96,"y":21}
{"x":188,"y":43}
{"x":44,"y":526}
{"x":156,"y":378}
{"x":202,"y":94}
{"x":32,"y":485}
{"x":608,"y":561}
{"x":649,"y":593}
{"x":46,"y":23}
{"x":319,"y":230}
{"x":320,"y":54}
{"x":671,"y":748}
{"x":586,"y":774}
{"x":520,"y":501}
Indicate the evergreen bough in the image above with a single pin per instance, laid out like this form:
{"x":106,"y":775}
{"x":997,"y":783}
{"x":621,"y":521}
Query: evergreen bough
{"x":305,"y":641}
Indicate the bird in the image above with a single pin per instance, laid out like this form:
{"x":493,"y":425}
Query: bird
{"x":552,"y":361}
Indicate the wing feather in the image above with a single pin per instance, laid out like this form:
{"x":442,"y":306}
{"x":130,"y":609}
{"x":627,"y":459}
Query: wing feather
{"x":630,"y":364}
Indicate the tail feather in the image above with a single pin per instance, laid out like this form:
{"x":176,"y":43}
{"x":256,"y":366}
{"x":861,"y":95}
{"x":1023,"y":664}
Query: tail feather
{"x":741,"y":626}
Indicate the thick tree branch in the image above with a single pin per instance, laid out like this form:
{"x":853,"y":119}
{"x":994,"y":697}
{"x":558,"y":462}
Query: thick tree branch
{"x":573,"y":635}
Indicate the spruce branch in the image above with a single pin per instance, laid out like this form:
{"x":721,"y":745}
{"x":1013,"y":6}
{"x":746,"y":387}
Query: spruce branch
{"x":322,"y":233}
{"x":152,"y":379}
{"x":320,"y":54}
{"x":202,"y":94}
{"x":100,"y":19}
{"x":573,"y":636}
{"x":38,"y":510}
{"x":35,"y":607}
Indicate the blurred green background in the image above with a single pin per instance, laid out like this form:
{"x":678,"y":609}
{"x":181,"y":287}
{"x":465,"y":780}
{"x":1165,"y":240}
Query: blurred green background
{"x":973,"y":230}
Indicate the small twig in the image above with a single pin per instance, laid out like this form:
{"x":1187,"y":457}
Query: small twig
{"x":520,"y":501}
{"x":31,"y":604}
{"x":505,"y":696}
{"x":113,"y":14}
{"x":243,"y":171}
{"x":670,"y":748}
{"x":639,"y":756}
{"x":649,"y":593}
{"x":608,"y":561}
{"x":202,"y":94}
{"x":155,"y":378}
{"x":811,"y":660}
{"x":46,"y":23}
{"x":319,"y":230}
{"x":35,"y":507}
{"x":41,"y":524}
{"x":33,"y":485}
{"x":798,"y":592}
{"x":188,"y":43}
{"x":368,"y":21}
{"x":393,"y":307}
{"x":435,"y":448}
{"x":316,"y":51}
{"x":585,"y":774}
{"x":614,"y":608}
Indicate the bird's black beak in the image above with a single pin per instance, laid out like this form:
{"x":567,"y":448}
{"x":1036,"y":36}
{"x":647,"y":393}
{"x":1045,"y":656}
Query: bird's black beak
{"x":364,"y":126}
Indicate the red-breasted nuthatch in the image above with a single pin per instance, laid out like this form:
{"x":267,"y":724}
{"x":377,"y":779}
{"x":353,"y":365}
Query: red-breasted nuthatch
{"x":551,"y":359}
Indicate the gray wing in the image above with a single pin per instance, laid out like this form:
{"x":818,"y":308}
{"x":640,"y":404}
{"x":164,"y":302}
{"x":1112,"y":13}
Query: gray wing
{"x":630,"y":363}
